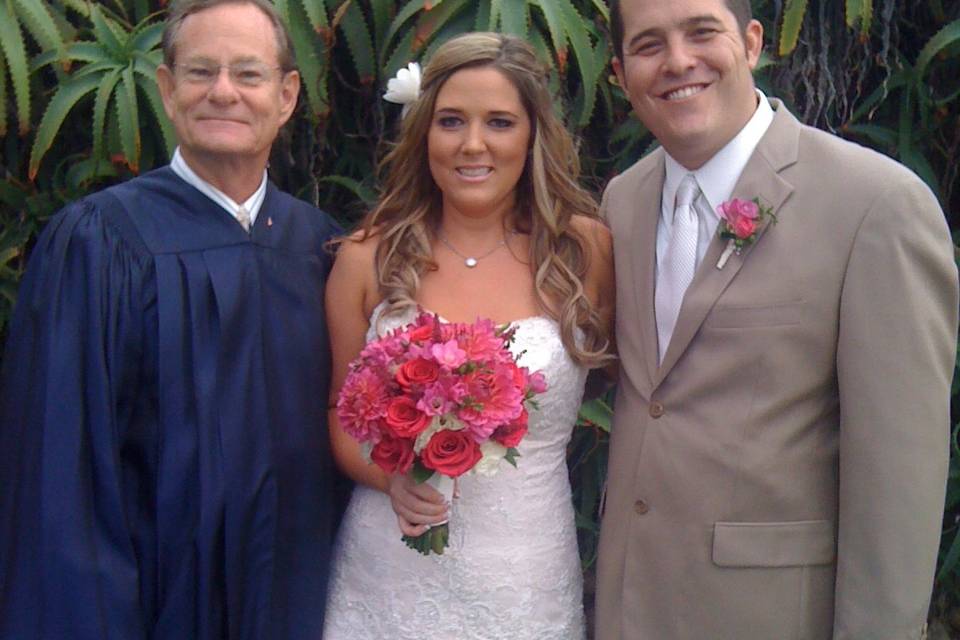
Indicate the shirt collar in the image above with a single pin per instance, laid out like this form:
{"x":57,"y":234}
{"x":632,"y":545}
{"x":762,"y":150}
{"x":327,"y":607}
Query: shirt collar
{"x":252,"y":204}
{"x":719,"y":175}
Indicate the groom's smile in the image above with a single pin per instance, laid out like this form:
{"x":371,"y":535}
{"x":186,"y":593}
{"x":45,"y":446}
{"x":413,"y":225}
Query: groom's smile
{"x":684,"y":92}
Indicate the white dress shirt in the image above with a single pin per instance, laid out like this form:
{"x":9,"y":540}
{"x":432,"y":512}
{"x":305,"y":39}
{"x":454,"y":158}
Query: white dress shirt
{"x":716,"y":179}
{"x":252,"y":204}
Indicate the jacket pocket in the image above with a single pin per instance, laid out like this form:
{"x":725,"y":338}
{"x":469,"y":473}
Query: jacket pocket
{"x":730,"y":317}
{"x":774,"y":544}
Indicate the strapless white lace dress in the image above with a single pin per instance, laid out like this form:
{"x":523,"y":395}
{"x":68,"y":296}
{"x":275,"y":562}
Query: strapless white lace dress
{"x":511,"y":572}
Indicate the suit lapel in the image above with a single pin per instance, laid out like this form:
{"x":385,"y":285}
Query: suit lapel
{"x":643,"y":243}
{"x":760,"y":178}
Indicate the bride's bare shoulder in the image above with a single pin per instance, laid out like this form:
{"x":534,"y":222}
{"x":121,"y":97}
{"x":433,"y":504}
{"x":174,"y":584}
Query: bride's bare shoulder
{"x":354,"y":268}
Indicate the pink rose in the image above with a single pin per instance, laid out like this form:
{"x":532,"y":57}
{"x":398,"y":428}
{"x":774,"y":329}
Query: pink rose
{"x":741,"y":216}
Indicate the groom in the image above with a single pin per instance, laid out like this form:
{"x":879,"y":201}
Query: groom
{"x":779,"y":448}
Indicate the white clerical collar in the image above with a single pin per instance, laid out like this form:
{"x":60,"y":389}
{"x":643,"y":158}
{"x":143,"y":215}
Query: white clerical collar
{"x":252,"y":205}
{"x":719,"y":175}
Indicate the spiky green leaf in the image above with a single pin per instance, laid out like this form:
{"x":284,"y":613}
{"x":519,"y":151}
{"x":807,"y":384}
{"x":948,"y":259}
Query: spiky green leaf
{"x":96,"y":69}
{"x":312,"y":59}
{"x":104,"y":33}
{"x":879,"y":136}
{"x":460,"y":23}
{"x":895,"y":81}
{"x":555,"y":26}
{"x":579,"y":37}
{"x":402,"y":54}
{"x":601,"y":7}
{"x":944,"y":38}
{"x":145,"y":66}
{"x":141,"y":9}
{"x":89,"y":52}
{"x":3,"y":97}
{"x":484,"y":16}
{"x":316,"y":13}
{"x":128,"y":118}
{"x":42,"y":59}
{"x":381,"y":10}
{"x":149,"y":89}
{"x":15,"y":51}
{"x":859,"y":14}
{"x":408,"y":11}
{"x":146,"y":36}
{"x":430,"y":23}
{"x":539,"y":43}
{"x":515,"y":17}
{"x":83,"y":171}
{"x":354,"y":27}
{"x":59,"y":106}
{"x":100,"y":103}
{"x":35,"y":17}
{"x":793,"y":16}
{"x":951,"y":559}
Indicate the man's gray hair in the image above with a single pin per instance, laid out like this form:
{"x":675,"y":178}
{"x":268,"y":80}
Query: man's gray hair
{"x":184,"y":8}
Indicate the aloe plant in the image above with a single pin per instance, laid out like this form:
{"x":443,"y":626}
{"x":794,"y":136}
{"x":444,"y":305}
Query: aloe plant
{"x":859,"y":15}
{"x":36,"y":18}
{"x":119,"y":70}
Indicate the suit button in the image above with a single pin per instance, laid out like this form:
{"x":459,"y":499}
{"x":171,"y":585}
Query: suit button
{"x":656,"y":409}
{"x":641,"y":507}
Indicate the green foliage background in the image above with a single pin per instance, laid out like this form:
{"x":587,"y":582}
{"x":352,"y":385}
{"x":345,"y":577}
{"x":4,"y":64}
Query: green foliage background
{"x":79,"y":110}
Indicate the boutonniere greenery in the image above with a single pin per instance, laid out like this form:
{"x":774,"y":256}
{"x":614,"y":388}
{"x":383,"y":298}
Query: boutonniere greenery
{"x":740,"y":220}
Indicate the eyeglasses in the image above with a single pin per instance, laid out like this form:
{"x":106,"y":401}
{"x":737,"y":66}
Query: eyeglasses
{"x":244,"y":74}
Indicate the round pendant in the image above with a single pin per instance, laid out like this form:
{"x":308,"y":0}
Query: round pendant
{"x":470,"y":262}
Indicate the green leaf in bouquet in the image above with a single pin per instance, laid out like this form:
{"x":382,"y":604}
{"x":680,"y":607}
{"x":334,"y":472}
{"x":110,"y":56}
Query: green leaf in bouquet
{"x":420,"y":473}
{"x":434,"y":540}
{"x":512,"y":455}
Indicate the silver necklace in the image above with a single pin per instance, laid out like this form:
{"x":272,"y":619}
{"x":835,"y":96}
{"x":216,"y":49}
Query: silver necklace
{"x":470,"y":261}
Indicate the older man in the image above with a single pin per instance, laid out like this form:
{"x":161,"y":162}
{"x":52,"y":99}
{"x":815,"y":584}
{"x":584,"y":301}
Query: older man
{"x":164,"y":467}
{"x":779,"y":448}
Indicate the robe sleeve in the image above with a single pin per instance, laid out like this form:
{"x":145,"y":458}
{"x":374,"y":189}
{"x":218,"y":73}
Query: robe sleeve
{"x":68,"y":561}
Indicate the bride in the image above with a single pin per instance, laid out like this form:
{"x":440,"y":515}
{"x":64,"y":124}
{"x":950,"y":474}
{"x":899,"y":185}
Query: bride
{"x":481,"y":217}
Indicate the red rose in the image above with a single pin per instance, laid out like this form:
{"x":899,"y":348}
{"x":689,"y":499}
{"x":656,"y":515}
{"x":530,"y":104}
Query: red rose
{"x":451,"y":453}
{"x":419,"y":371}
{"x":404,"y":418}
{"x":422,"y":333}
{"x":393,"y":455}
{"x":510,"y":435}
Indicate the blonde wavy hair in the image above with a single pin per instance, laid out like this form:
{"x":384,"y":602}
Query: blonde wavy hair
{"x":407,"y":215}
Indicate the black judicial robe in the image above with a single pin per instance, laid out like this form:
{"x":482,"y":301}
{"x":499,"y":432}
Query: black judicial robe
{"x":164,"y":464}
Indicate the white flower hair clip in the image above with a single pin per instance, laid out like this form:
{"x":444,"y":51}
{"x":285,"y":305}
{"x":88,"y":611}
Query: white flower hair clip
{"x":405,"y":87}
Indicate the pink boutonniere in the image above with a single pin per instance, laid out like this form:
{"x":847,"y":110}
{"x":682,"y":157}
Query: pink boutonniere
{"x":739,"y":222}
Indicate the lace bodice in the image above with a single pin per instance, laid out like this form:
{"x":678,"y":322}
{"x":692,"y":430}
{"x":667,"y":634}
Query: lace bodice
{"x":512,"y":568}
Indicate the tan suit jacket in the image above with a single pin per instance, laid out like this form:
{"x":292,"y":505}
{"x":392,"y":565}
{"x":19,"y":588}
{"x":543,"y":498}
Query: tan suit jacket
{"x":781,"y":475}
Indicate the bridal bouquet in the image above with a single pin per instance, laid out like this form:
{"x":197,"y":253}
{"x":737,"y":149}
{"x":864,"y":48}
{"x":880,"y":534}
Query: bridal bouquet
{"x":438,"y":400}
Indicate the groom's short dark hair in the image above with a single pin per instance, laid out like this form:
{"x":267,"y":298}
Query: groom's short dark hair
{"x":741,"y":10}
